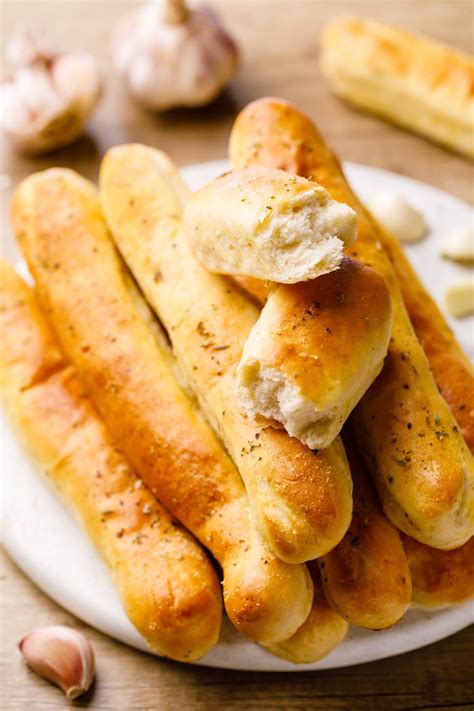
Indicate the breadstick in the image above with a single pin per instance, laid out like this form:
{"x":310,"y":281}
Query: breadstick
{"x":421,"y":464}
{"x":168,"y":587}
{"x":82,"y":287}
{"x":440,"y":578}
{"x":292,"y":142}
{"x":321,"y":632}
{"x":366,"y":576}
{"x":301,"y":499}
{"x":265,"y":223}
{"x":315,"y":350}
{"x":414,"y":81}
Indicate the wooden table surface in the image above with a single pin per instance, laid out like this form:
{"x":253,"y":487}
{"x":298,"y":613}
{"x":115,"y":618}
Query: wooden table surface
{"x":279,"y":41}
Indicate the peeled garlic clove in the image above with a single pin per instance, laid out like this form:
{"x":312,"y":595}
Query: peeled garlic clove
{"x":460,"y":298}
{"x":169,"y":55}
{"x":49,"y":97}
{"x":459,"y":245}
{"x":397,"y":216}
{"x":62,"y":655}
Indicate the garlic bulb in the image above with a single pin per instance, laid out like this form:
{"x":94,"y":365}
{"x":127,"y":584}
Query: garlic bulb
{"x":170,"y":55}
{"x":62,"y":655}
{"x":49,"y":97}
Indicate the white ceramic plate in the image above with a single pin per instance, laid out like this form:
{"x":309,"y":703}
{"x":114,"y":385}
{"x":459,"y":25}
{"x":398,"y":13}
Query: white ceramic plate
{"x":50,"y":547}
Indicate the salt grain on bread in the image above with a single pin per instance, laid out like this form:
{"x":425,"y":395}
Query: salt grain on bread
{"x":265,"y":223}
{"x":315,"y":350}
{"x":128,"y":374}
{"x":301,"y":500}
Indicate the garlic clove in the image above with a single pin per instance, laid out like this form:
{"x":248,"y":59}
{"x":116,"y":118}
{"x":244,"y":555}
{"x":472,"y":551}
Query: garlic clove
{"x":459,"y":298}
{"x":49,"y":97}
{"x":169,"y":55}
{"x":459,"y":246}
{"x":397,"y":216}
{"x":62,"y":655}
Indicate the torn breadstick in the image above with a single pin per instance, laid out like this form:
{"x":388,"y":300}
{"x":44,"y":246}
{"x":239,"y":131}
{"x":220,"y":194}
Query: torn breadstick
{"x":422,"y":466}
{"x":264,"y":223}
{"x":301,"y":500}
{"x":315,"y":350}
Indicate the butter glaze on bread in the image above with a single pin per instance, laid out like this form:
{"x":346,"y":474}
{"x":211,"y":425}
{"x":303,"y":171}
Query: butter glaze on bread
{"x":422,"y":467}
{"x":265,"y":223}
{"x":85,"y":292}
{"x":301,"y":500}
{"x":321,"y":632}
{"x":440,"y":578}
{"x":167,"y":585}
{"x":414,"y":81}
{"x":314,"y":351}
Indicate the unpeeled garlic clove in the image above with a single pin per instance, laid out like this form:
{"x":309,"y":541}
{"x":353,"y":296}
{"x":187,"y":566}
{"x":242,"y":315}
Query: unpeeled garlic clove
{"x":49,"y":96}
{"x":170,"y":54}
{"x":62,"y":655}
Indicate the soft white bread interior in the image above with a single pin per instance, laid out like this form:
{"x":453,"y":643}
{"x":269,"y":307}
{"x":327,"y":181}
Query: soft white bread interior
{"x":315,"y":350}
{"x":265,"y":223}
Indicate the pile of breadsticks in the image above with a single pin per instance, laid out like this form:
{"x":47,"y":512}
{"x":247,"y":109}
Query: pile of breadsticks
{"x":183,"y":370}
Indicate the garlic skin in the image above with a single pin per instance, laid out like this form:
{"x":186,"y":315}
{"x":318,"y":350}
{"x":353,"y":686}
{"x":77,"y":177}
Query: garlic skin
{"x":62,"y":655}
{"x":171,"y":55}
{"x":49,"y":96}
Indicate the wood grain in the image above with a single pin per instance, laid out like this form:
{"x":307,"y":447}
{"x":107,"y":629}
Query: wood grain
{"x":279,"y":40}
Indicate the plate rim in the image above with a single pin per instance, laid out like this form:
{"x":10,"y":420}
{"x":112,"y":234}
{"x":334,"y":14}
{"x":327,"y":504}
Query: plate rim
{"x":427,"y":631}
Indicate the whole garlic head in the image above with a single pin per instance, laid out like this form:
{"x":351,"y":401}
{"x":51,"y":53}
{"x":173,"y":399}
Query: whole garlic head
{"x":172,"y":55}
{"x":49,"y":97}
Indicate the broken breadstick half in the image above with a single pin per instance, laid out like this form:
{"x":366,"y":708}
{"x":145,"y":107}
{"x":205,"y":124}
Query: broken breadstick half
{"x":265,"y":223}
{"x":315,"y":350}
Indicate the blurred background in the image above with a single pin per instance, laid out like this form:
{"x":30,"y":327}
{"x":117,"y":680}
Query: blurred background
{"x":279,"y":43}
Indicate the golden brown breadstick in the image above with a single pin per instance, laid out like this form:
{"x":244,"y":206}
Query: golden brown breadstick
{"x":168,"y":587}
{"x":81,"y":285}
{"x":412,"y":80}
{"x":285,"y":138}
{"x":440,"y":578}
{"x":301,"y":499}
{"x":366,"y":576}
{"x":321,"y":632}
{"x":422,"y":466}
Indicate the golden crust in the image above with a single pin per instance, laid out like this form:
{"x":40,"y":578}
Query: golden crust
{"x":301,"y":500}
{"x":321,"y":632}
{"x":168,"y":586}
{"x":84,"y":291}
{"x":440,"y":578}
{"x":366,"y":577}
{"x":327,"y":337}
{"x":423,"y":469}
{"x":414,"y":81}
